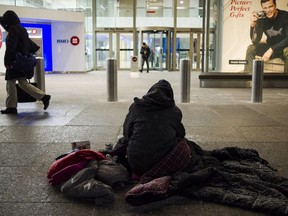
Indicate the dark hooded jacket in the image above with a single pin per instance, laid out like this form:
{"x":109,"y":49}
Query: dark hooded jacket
{"x":152,"y":127}
{"x":17,"y":40}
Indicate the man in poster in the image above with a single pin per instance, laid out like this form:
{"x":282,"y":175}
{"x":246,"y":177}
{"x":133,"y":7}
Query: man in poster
{"x":273,"y":23}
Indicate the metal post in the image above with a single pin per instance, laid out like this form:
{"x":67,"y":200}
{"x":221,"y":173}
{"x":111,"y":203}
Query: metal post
{"x":39,"y":74}
{"x":185,"y":80}
{"x":111,"y":79}
{"x":257,"y":80}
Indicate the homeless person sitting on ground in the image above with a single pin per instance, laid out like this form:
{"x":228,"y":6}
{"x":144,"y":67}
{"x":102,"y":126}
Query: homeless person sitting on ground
{"x":154,"y":135}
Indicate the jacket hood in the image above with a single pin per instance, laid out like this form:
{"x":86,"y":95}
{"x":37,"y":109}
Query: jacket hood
{"x":159,"y":96}
{"x":9,"y":18}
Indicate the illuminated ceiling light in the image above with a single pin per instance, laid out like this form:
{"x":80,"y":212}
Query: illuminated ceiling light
{"x":181,"y":2}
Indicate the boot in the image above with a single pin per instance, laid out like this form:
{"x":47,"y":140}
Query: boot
{"x":9,"y":110}
{"x":46,"y":101}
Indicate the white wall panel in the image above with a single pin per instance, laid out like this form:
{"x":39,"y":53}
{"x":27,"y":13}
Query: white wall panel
{"x":66,"y":56}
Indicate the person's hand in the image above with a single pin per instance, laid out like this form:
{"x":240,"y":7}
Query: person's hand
{"x":253,"y":19}
{"x":267,"y":55}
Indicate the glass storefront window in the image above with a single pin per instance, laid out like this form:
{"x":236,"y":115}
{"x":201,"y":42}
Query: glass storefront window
{"x":183,"y":48}
{"x":114,"y":13}
{"x":102,"y":49}
{"x":48,"y":4}
{"x":126,"y":49}
{"x":154,"y":13}
{"x":8,"y":2}
{"x":189,"y":14}
{"x":86,"y":6}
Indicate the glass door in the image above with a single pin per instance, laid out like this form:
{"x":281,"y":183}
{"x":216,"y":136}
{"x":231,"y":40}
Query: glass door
{"x":102,"y":49}
{"x":114,"y":45}
{"x":157,"y":41}
{"x":126,"y":50}
{"x":188,"y":47}
{"x":182,"y":48}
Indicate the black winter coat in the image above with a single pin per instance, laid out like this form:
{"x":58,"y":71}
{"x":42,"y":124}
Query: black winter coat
{"x":145,"y":52}
{"x":17,"y":40}
{"x":152,"y":127}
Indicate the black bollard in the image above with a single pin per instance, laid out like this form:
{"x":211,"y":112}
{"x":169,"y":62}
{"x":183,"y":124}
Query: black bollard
{"x":185,"y":80}
{"x":39,"y":74}
{"x":111,"y":79}
{"x":257,"y":80}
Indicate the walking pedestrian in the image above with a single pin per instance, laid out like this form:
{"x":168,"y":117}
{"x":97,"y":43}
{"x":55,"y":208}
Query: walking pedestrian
{"x":17,"y":40}
{"x":145,"y":53}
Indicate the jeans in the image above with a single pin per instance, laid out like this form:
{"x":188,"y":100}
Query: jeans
{"x":258,"y":50}
{"x":147,"y":63}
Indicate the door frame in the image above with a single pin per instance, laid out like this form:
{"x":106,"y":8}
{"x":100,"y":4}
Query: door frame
{"x":165,"y":30}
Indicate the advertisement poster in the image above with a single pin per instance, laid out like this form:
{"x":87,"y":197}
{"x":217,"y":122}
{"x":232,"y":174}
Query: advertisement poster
{"x":236,"y":21}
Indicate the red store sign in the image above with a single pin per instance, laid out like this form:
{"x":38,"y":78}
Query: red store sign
{"x":74,"y":40}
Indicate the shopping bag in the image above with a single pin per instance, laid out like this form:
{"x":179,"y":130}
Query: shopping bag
{"x":24,"y":97}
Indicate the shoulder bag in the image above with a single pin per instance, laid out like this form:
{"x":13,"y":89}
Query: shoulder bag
{"x":25,"y":63}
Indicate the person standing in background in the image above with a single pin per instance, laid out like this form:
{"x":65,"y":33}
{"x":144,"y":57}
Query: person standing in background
{"x":145,"y":53}
{"x":18,"y":41}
